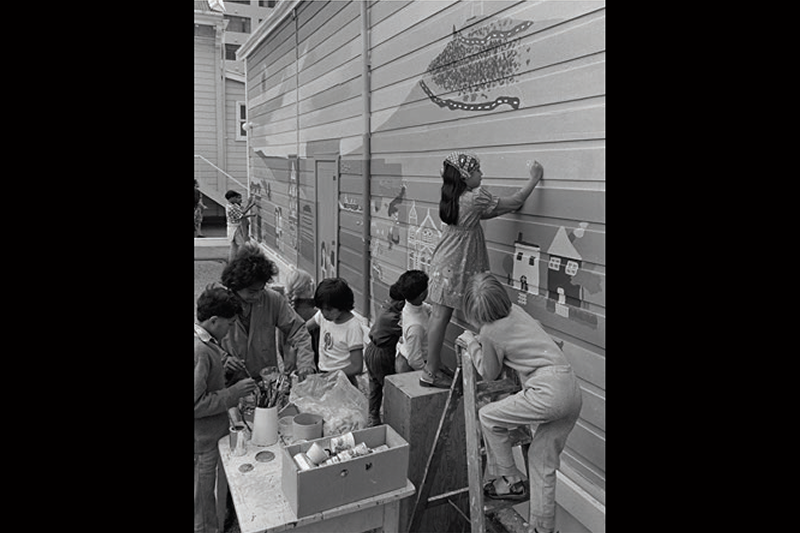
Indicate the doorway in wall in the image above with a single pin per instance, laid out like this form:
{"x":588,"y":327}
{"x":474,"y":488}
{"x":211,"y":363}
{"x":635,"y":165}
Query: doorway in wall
{"x":327,"y":256}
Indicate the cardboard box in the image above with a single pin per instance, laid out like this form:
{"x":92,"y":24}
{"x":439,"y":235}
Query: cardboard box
{"x":326,"y":487}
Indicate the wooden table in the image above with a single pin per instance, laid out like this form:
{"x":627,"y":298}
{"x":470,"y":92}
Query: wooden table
{"x":262,"y":508}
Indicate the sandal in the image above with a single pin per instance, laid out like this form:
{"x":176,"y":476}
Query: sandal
{"x":447,"y":372}
{"x":439,"y":380}
{"x":517,"y":492}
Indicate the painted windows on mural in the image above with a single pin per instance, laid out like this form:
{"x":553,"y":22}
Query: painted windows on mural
{"x":555,"y":263}
{"x":571,"y":268}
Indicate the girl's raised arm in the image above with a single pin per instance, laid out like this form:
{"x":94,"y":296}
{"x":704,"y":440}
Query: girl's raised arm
{"x":509,"y":204}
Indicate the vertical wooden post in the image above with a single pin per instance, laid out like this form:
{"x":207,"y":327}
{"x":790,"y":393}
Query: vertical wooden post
{"x":473,"y":431}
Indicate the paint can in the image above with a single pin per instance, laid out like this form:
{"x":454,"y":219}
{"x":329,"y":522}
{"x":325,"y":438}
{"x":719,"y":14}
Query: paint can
{"x":351,"y":453}
{"x":303,"y":462}
{"x":238,"y":440}
{"x":342,"y":442}
{"x":307,"y":426}
{"x":317,"y":454}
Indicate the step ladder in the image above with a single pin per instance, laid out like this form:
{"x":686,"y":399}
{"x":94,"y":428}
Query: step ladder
{"x":498,"y":515}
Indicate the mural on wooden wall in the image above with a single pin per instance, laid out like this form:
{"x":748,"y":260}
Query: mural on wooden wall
{"x":479,"y":65}
{"x":558,"y":271}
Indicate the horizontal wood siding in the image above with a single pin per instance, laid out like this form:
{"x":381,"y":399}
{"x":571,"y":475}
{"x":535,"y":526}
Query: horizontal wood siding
{"x":236,"y":154}
{"x":555,"y":67}
{"x":330,"y":108}
{"x":272,"y":111}
{"x":516,"y":81}
{"x":205,"y":100}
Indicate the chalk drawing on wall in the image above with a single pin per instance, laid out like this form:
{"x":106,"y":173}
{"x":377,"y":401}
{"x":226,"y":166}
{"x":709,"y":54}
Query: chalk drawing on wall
{"x":479,"y":65}
{"x":422,"y":239}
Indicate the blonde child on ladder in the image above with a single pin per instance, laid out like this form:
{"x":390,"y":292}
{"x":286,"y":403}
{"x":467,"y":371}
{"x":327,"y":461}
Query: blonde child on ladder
{"x":461,"y":251}
{"x":550,"y":397}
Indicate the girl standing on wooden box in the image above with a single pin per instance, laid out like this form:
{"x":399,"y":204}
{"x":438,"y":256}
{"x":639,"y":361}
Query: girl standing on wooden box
{"x":550,"y":397}
{"x":461,"y":251}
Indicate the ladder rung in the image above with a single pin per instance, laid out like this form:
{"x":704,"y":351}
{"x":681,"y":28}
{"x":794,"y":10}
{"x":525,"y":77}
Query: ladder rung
{"x":442,"y":498}
{"x":511,"y":521}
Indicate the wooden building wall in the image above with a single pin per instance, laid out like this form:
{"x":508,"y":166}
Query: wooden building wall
{"x":550,"y":58}
{"x":236,"y":149}
{"x":206,"y":67}
{"x":514,"y":81}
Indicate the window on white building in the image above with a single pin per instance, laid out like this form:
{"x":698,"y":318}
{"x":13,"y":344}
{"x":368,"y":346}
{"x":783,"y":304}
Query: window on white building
{"x":241,"y":120}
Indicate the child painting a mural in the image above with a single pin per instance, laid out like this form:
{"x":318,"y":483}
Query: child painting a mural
{"x":380,"y":352}
{"x":341,"y":340}
{"x":235,"y":216}
{"x":461,"y":251}
{"x":412,"y":350}
{"x":550,"y":397}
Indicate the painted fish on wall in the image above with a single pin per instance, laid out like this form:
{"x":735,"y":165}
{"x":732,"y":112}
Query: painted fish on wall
{"x":477,"y":66}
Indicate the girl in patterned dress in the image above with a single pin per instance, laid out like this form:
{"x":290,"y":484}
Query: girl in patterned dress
{"x":461,"y":251}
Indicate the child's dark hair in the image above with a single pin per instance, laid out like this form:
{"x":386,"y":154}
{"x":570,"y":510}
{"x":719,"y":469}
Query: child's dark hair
{"x":452,"y":188}
{"x":334,"y":292}
{"x":248,"y":267}
{"x":230,"y":194}
{"x":410,"y":284}
{"x":217,"y":301}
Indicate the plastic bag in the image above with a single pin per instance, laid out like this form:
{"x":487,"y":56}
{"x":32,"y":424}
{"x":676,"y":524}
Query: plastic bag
{"x":332,"y":396}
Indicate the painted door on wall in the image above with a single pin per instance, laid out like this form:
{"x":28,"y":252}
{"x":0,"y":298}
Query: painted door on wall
{"x":327,"y":218}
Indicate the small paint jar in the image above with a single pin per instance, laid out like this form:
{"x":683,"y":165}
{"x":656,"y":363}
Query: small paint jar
{"x":303,"y":462}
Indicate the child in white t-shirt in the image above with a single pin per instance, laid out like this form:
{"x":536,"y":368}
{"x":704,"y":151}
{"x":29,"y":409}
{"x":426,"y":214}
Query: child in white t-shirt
{"x":341,"y":339}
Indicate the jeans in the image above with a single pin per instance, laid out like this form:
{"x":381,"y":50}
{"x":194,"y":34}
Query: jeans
{"x":551,"y":398}
{"x":205,"y":501}
{"x":380,"y":363}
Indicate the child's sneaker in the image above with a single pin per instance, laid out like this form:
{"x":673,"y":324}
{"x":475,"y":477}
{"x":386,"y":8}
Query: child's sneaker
{"x":439,"y":380}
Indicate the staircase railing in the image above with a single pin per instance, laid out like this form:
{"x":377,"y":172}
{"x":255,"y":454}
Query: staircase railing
{"x":214,"y":181}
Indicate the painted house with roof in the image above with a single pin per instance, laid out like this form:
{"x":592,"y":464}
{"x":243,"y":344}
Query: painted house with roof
{"x":563,"y":264}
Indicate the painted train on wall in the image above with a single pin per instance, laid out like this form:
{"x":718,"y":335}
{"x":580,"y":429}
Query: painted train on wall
{"x":514,"y":81}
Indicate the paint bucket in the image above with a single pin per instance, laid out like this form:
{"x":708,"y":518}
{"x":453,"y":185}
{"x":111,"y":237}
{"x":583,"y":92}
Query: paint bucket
{"x":307,"y":426}
{"x":238,"y":440}
{"x":265,"y":426}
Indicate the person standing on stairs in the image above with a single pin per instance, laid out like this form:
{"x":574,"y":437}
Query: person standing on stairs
{"x":550,"y":397}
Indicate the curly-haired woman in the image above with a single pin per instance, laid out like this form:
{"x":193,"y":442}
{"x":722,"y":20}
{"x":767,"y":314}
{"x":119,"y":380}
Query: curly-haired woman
{"x":252,"y":335}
